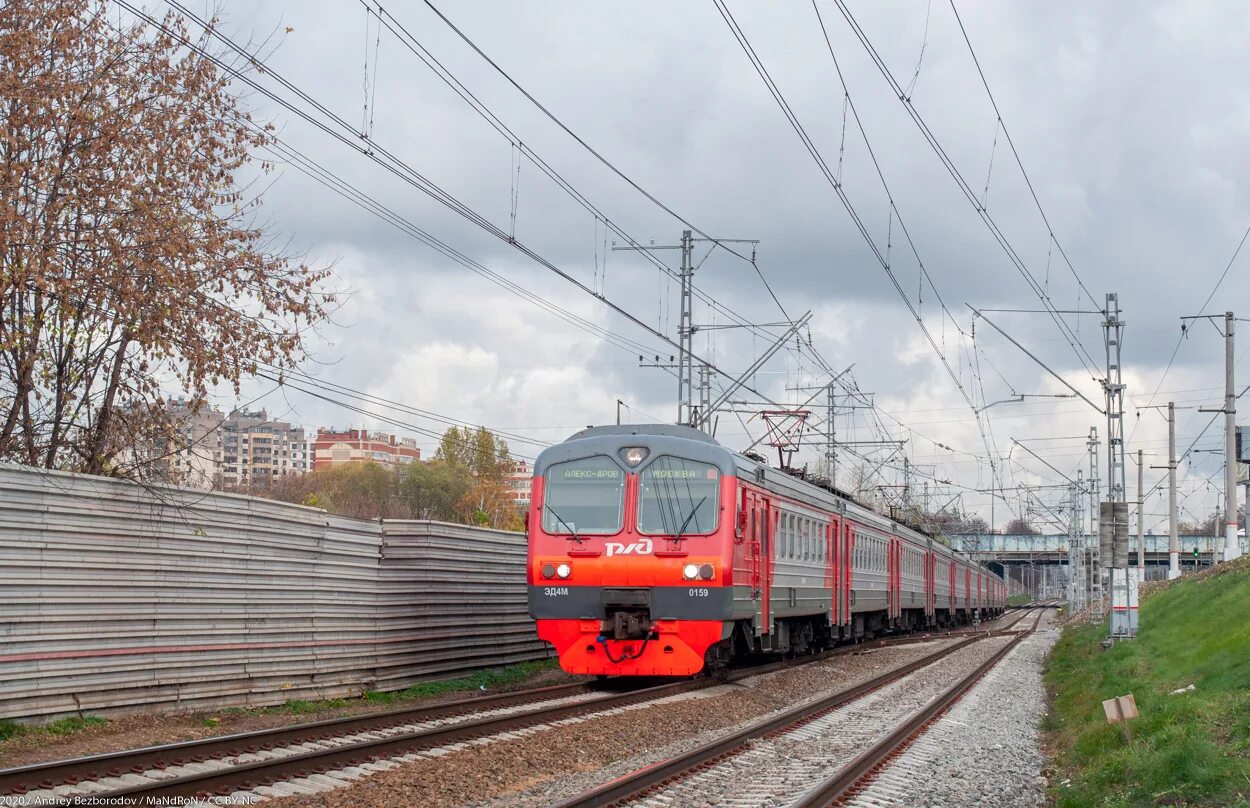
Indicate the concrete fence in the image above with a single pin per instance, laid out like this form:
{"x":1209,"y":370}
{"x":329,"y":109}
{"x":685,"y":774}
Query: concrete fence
{"x":115,"y":597}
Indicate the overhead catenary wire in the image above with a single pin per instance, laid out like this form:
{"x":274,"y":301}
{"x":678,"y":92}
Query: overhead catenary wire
{"x":1202,"y":310}
{"x":468,"y":214}
{"x":1019,"y":162}
{"x":385,"y":158}
{"x":414,"y":45}
{"x":966,"y":189}
{"x":322,"y":395}
{"x":495,"y":122}
{"x":839,"y":190}
{"x":595,"y":153}
{"x":498,"y":124}
{"x":372,"y":398}
{"x":372,"y":150}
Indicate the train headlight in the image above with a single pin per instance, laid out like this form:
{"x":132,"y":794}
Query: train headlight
{"x":706,"y":572}
{"x":549,"y":570}
{"x":564,"y":570}
{"x":690,"y":571}
{"x":633,"y":455}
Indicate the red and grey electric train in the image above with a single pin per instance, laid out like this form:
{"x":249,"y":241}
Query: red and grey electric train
{"x":654,"y":550}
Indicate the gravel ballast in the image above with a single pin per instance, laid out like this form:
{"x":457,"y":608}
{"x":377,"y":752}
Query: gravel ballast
{"x":986,"y":750}
{"x":541,"y":767}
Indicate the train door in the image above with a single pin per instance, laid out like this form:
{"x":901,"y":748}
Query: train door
{"x":954,"y":590}
{"x":771,"y":515}
{"x":895,"y":582}
{"x":833,"y":560}
{"x":930,"y":581}
{"x":760,"y":579}
{"x":848,"y":571}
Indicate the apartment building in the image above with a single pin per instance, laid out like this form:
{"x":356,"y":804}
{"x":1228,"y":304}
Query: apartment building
{"x":194,"y":454}
{"x":333,"y":448}
{"x":521,"y":484}
{"x":256,"y":450}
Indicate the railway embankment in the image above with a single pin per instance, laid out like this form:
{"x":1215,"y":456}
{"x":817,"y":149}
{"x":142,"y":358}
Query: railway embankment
{"x":1189,"y":672}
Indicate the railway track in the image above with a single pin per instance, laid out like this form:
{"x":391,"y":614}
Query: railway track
{"x":860,"y":771}
{"x":666,"y":782}
{"x":223,"y":765}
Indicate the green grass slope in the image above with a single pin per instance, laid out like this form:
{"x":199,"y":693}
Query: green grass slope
{"x":1190,"y":749}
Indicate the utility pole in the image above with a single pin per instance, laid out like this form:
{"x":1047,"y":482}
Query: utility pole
{"x":831,"y":428}
{"x":1076,"y":550}
{"x":704,"y":417}
{"x":1232,"y":548}
{"x":1113,"y":329}
{"x":686,"y":327}
{"x":685,"y":334}
{"x":1141,"y":519}
{"x":831,"y":435}
{"x":1096,"y":561}
{"x":1174,"y":548}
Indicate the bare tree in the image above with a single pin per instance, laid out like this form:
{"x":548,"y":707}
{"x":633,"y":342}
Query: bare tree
{"x":1020,"y":527}
{"x":130,"y":257}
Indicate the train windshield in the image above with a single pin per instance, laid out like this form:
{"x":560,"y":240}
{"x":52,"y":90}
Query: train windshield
{"x":586,"y":497}
{"x":673,"y":493}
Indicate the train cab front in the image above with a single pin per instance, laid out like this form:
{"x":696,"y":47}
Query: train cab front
{"x":627,"y":555}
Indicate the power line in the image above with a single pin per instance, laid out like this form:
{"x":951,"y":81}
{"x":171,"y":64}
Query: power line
{"x":1020,"y":163}
{"x":409,"y":41}
{"x":595,"y":153}
{"x":966,"y":189}
{"x":838,"y":189}
{"x":825,"y":365}
{"x":370,"y":398}
{"x":288,"y":383}
{"x":495,"y":122}
{"x":376,"y":153}
{"x":1201,"y":311}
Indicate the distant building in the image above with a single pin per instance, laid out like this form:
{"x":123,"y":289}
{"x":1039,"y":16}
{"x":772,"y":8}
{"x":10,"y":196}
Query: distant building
{"x":333,"y":448}
{"x":521,"y":484}
{"x":255,"y":450}
{"x":193,"y":457}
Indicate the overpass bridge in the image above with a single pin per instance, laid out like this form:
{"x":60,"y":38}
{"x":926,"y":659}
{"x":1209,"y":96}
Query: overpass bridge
{"x":1038,"y":564}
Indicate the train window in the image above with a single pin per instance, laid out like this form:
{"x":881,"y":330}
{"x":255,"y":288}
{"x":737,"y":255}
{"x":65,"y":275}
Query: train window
{"x":585,"y":496}
{"x":676,"y":495}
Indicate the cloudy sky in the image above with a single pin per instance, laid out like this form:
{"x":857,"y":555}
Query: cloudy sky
{"x":1131,"y":120}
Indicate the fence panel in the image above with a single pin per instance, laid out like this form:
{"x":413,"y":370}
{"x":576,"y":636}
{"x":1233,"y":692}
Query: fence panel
{"x":119,"y":597}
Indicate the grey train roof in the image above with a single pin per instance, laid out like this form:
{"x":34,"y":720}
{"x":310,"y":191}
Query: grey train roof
{"x":694,"y":444}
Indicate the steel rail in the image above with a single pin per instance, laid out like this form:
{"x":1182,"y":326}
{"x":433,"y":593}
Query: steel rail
{"x":115,"y":764}
{"x":648,"y":777}
{"x":856,"y":774}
